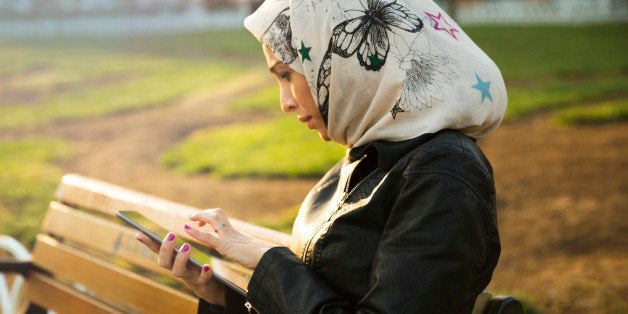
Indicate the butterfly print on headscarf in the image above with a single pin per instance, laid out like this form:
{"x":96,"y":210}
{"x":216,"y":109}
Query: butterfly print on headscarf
{"x":367,"y":37}
{"x":278,"y":38}
{"x":427,"y":77}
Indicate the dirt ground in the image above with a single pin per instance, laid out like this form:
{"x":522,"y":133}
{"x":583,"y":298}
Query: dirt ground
{"x":563,"y":207}
{"x":563,"y":212}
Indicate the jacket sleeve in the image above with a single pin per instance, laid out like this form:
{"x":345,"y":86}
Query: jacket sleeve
{"x":438,"y":249}
{"x":234,"y":304}
{"x":281,"y":283}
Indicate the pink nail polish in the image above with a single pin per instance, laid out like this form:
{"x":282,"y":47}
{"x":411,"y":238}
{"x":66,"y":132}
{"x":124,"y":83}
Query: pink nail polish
{"x":185,"y":247}
{"x":187,"y":227}
{"x":170,"y":237}
{"x":205,"y":268}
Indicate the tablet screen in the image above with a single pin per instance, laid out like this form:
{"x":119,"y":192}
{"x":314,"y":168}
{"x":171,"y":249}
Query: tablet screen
{"x":199,"y":255}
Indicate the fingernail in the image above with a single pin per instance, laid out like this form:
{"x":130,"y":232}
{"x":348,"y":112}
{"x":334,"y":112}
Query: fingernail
{"x":205,"y":268}
{"x":170,"y":236}
{"x":187,"y":227}
{"x":185,"y":247}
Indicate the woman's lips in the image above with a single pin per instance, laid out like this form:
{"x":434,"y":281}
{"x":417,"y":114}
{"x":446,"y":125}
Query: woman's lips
{"x":307,"y":120}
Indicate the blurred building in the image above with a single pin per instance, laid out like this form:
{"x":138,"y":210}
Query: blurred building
{"x":69,"y":17}
{"x":65,"y":8}
{"x":20,"y":18}
{"x":538,"y":11}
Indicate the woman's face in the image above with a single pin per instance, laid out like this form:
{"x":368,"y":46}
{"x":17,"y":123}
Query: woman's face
{"x":295,"y":96}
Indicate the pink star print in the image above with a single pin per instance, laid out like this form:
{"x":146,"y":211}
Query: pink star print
{"x":438,"y":19}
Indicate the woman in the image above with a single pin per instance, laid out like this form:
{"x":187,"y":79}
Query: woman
{"x":406,"y":222}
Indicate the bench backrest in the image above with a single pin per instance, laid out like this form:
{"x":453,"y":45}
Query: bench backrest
{"x":91,"y":263}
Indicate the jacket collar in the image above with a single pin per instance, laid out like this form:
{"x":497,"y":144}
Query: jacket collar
{"x":388,"y":153}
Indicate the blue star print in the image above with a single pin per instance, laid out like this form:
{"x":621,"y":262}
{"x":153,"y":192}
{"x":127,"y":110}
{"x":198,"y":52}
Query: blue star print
{"x":483,"y":87}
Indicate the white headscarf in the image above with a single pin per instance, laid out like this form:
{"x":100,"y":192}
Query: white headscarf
{"x":382,"y":69}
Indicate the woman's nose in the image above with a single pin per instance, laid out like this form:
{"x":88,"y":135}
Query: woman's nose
{"x":287,"y":101}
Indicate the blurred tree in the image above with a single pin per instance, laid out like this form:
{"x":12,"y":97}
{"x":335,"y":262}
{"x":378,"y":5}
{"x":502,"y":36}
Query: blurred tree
{"x":449,"y":6}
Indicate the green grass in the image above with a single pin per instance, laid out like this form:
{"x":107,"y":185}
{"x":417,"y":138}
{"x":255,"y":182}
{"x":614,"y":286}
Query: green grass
{"x":282,"y":222}
{"x":555,"y":93}
{"x":265,"y":149}
{"x":529,"y":52}
{"x":550,"y":67}
{"x":28,"y":177}
{"x":277,"y":148}
{"x":265,"y":100}
{"x":96,"y":83}
{"x":611,"y":111}
{"x":51,"y":80}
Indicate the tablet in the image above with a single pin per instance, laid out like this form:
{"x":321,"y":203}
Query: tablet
{"x":156,"y":233}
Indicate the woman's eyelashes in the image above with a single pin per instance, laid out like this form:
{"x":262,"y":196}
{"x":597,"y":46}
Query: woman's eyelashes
{"x":285,"y":75}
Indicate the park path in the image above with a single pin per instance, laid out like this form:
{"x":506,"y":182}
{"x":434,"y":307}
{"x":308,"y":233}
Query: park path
{"x":125,"y":148}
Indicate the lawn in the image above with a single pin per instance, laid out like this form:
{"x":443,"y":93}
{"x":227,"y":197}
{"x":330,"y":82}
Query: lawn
{"x":551,"y":67}
{"x":265,"y":149}
{"x":48,"y":81}
{"x":28,"y":177}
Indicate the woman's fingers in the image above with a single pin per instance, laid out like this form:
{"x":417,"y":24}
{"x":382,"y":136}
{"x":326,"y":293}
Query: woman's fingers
{"x":200,"y":280}
{"x":215,"y":217}
{"x":179,"y":266}
{"x":144,"y":239}
{"x":191,"y":274}
{"x":228,"y":241}
{"x":206,"y":274}
{"x":204,"y":237}
{"x":166,"y":251}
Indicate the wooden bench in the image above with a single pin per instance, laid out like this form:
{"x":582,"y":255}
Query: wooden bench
{"x":86,"y":261}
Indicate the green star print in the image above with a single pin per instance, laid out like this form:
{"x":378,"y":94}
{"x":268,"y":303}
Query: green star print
{"x":305,"y":52}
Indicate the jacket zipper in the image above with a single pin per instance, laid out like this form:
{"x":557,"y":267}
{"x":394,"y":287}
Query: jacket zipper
{"x":308,"y":260}
{"x":249,"y":307}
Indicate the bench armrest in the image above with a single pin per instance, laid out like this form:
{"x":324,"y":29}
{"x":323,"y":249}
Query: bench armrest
{"x":11,"y":265}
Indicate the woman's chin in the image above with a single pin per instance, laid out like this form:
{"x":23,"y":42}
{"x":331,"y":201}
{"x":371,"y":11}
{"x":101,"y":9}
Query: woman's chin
{"x":324,"y":136}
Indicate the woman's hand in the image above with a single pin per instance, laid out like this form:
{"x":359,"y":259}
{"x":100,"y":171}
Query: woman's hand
{"x":200,"y":281}
{"x":228,"y":241}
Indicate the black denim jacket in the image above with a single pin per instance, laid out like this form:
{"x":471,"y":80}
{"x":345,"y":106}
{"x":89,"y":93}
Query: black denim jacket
{"x":406,"y":227}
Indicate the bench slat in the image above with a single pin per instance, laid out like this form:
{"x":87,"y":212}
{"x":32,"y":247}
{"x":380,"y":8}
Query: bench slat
{"x":96,"y":233}
{"x":52,"y":295}
{"x":125,"y":289}
{"x":108,"y":198}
